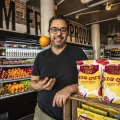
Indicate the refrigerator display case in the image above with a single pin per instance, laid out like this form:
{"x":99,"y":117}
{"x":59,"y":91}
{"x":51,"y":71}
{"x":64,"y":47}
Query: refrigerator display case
{"x":89,"y":53}
{"x":17,"y":54}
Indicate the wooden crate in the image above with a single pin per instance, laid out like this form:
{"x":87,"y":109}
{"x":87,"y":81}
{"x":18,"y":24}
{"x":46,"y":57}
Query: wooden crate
{"x":70,"y":108}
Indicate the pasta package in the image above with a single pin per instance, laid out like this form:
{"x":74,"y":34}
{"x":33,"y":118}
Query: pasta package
{"x":111,"y":82}
{"x":86,"y":115}
{"x":89,"y":79}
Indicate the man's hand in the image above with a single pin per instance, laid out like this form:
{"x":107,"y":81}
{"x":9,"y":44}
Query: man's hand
{"x":47,"y":84}
{"x":61,"y":96}
{"x":42,"y":84}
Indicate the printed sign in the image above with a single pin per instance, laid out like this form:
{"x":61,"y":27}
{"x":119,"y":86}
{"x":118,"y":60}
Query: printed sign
{"x":16,"y":16}
{"x":78,"y":34}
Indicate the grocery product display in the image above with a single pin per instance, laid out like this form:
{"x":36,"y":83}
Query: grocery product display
{"x":89,"y":78}
{"x":17,"y":54}
{"x":98,"y":95}
{"x":16,"y":61}
{"x":111,"y":52}
{"x":99,"y":79}
{"x":14,"y":88}
{"x":111,"y":79}
{"x":84,"y":108}
{"x":89,"y":53}
{"x":87,"y":115}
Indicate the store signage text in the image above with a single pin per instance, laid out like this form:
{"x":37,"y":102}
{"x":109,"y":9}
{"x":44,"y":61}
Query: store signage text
{"x":10,"y":16}
{"x":78,"y":34}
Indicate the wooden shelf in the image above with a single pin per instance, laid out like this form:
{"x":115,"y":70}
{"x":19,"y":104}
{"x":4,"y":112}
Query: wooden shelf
{"x":70,"y":108}
{"x":96,"y":101}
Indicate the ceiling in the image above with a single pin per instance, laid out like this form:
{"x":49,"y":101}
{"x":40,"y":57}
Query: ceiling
{"x":89,"y":13}
{"x":92,"y":12}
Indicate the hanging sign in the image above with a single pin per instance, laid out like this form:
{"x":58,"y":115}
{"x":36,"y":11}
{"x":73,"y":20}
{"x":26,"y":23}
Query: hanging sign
{"x":78,"y":34}
{"x":16,"y":16}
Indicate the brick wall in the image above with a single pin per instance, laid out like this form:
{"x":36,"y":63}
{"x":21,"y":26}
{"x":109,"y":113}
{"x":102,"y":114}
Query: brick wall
{"x":20,"y":9}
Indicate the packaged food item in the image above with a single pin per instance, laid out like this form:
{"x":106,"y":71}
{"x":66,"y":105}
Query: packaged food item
{"x":113,"y":113}
{"x":110,"y":111}
{"x":86,"y":115}
{"x":89,"y":78}
{"x":95,"y":110}
{"x":111,"y":82}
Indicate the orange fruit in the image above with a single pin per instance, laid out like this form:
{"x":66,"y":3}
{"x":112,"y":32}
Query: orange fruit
{"x":44,"y":41}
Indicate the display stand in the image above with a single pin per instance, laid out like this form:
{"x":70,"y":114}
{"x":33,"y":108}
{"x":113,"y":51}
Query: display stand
{"x":70,"y":108}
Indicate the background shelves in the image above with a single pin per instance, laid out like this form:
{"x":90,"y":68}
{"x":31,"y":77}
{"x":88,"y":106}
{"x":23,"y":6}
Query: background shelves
{"x":22,"y":57}
{"x":17,"y":54}
{"x":17,"y":94}
{"x":16,"y":65}
{"x":13,"y":80}
{"x":15,"y":48}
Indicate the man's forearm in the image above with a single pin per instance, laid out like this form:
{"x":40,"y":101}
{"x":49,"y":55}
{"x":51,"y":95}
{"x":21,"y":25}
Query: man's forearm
{"x":73,"y":88}
{"x":34,"y":85}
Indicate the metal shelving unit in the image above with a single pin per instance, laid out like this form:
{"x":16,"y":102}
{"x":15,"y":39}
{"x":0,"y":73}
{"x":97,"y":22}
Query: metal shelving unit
{"x":17,"y":51}
{"x":17,"y":65}
{"x":17,"y":94}
{"x":15,"y":48}
{"x":8,"y":57}
{"x":13,"y":80}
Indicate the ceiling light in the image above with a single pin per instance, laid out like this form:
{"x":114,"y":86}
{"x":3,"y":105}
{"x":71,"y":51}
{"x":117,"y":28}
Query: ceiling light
{"x":77,"y":16}
{"x":85,"y":1}
{"x":55,"y":7}
{"x":60,"y":2}
{"x":118,"y":17}
{"x":23,"y":0}
{"x":108,"y":6}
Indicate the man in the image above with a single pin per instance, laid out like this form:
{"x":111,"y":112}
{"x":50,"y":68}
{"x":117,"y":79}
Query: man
{"x":55,"y":73}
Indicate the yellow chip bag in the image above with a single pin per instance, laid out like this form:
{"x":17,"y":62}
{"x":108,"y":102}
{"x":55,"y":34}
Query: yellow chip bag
{"x":110,"y":111}
{"x":89,"y":79}
{"x":95,"y":110}
{"x":111,"y":82}
{"x":86,"y":115}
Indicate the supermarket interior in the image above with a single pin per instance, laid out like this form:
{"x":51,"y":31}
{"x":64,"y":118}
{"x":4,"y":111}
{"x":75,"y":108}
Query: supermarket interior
{"x":93,"y":25}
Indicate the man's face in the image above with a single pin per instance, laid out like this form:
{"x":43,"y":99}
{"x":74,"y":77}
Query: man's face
{"x":58,"y":33}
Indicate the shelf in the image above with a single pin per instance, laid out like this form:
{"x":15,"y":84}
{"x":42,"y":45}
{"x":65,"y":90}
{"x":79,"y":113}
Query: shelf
{"x":70,"y":108}
{"x":18,"y":42}
{"x":13,"y":80}
{"x":95,"y":101}
{"x":17,"y":57}
{"x":15,"y":48}
{"x":17,"y":94}
{"x":16,"y":65}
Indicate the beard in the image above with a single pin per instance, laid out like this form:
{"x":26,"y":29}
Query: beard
{"x":62,"y":43}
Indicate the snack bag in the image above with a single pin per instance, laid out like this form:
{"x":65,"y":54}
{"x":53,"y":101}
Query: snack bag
{"x":86,"y":115}
{"x":89,"y":79}
{"x":111,"y":82}
{"x":95,"y":110}
{"x":110,"y":111}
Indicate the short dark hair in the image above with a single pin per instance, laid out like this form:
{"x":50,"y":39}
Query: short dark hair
{"x":61,"y":17}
